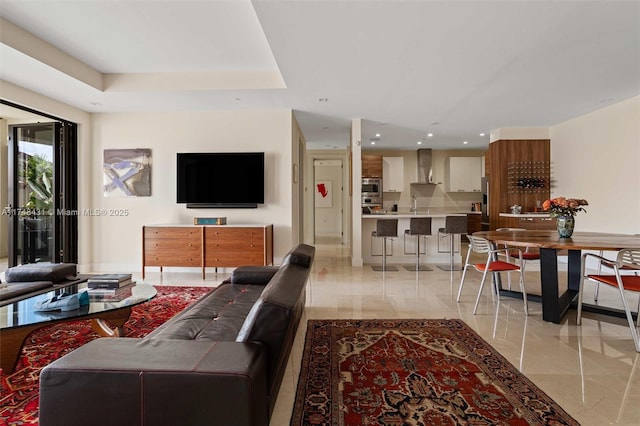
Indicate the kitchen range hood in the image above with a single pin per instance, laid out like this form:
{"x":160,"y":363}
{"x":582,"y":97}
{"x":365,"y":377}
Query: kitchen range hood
{"x":425,"y":169}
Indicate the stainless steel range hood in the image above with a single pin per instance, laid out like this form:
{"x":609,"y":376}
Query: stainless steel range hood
{"x":425,"y":169}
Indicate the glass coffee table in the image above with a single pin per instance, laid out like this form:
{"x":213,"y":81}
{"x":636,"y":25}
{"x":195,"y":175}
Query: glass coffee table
{"x":105,"y":310}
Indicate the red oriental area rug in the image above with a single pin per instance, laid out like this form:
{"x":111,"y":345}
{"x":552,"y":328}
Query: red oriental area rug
{"x":19,"y":390}
{"x":412,"y":372}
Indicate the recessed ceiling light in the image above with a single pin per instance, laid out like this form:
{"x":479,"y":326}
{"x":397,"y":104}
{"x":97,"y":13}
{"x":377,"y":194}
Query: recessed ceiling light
{"x":419,"y":142}
{"x":377,"y":135}
{"x":383,"y":123}
{"x":323,"y":99}
{"x":373,"y":142}
{"x":429,"y":135}
{"x":465,"y":142}
{"x":95,"y":103}
{"x":481,"y":134}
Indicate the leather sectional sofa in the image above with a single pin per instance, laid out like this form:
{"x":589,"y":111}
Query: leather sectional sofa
{"x":218,"y":362}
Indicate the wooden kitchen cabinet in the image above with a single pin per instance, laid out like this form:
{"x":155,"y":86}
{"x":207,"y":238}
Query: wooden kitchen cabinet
{"x":392,"y":174}
{"x":474,"y":223}
{"x":371,"y":166}
{"x":464,"y":174}
{"x":206,"y":246}
{"x":511,"y":161}
{"x":529,"y":223}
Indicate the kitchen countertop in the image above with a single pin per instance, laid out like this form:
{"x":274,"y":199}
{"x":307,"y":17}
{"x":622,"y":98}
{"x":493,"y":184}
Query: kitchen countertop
{"x":527,"y":214}
{"x":419,"y":213}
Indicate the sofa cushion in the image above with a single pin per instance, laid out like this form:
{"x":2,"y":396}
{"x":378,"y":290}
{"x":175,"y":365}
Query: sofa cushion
{"x":11,"y":290}
{"x":54,"y":272}
{"x":218,"y":315}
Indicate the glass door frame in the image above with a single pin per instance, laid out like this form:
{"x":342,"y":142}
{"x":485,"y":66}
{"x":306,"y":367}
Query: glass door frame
{"x":64,"y":189}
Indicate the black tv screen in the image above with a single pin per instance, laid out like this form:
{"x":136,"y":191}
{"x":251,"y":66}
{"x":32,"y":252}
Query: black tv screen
{"x":226,"y":179}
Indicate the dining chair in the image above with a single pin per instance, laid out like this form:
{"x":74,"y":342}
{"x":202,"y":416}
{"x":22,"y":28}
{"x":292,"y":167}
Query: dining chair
{"x":607,"y":264}
{"x":627,"y":259}
{"x":483,"y":246}
{"x":527,"y":254}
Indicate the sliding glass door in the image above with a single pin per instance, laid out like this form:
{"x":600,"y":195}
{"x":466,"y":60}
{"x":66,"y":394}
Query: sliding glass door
{"x":42,"y":193}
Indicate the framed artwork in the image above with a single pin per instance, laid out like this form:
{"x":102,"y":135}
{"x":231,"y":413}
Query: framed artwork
{"x":324,"y":193}
{"x":126,"y":173}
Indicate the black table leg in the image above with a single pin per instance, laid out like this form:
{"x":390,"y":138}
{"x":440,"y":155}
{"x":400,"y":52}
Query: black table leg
{"x":554,"y":304}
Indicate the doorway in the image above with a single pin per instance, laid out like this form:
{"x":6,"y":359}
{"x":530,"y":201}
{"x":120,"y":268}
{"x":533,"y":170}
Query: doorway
{"x":328,"y":201}
{"x":42,"y":193}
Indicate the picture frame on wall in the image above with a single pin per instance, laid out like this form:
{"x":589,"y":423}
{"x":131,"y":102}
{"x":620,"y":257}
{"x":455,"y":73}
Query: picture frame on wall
{"x":324,"y":193}
{"x":126,"y":172}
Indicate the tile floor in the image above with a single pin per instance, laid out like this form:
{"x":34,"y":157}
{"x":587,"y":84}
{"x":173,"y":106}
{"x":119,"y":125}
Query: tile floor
{"x":592,"y":371}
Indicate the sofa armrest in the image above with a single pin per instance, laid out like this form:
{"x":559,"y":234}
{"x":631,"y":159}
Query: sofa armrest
{"x":150,"y":382}
{"x":257,"y":275}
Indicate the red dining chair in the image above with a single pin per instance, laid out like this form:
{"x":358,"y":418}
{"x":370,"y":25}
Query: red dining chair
{"x":483,"y":246}
{"x":627,"y":259}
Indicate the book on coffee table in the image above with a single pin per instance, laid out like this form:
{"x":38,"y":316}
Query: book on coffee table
{"x":109,"y":281}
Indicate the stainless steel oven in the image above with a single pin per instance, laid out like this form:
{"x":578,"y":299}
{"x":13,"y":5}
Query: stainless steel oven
{"x":371,"y":192}
{"x":372,"y":187}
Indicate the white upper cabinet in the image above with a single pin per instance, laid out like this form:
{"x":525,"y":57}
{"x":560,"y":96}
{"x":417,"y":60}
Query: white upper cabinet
{"x":464,"y":174}
{"x":392,"y":174}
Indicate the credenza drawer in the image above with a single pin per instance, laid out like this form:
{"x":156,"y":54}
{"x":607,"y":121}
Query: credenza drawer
{"x":172,"y":233}
{"x":236,"y":245}
{"x":231,"y":259}
{"x":234,"y":234}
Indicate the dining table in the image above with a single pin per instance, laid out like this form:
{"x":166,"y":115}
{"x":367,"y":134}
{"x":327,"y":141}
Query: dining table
{"x":555,"y":302}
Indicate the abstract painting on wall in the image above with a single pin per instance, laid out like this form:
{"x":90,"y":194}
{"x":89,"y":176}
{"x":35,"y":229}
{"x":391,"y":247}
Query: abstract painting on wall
{"x":324,"y":193}
{"x":127,"y":172}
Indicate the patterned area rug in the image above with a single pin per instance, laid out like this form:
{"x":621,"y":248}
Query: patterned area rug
{"x":19,"y":391}
{"x":412,"y":372}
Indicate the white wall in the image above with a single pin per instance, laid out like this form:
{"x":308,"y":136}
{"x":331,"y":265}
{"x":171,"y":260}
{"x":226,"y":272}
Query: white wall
{"x":597,"y":157}
{"x":117,"y":241}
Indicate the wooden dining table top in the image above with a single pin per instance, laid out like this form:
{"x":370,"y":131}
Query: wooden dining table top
{"x":550,"y":239}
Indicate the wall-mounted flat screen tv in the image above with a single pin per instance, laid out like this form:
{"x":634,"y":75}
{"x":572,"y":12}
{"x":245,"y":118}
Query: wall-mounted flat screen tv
{"x":220,"y":179}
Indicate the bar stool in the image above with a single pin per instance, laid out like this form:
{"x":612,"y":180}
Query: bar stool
{"x":420,"y":227}
{"x":385,"y":228}
{"x":453,"y":225}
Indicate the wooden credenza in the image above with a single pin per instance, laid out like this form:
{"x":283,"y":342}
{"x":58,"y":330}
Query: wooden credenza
{"x":206,"y":246}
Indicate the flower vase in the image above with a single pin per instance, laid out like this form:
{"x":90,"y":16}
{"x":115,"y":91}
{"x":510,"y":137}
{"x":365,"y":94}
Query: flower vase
{"x":565,"y":224}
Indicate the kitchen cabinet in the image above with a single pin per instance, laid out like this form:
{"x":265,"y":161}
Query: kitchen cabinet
{"x":474,"y":223}
{"x":371,"y":165}
{"x":464,"y":174}
{"x":392,"y":174}
{"x":511,"y":161}
{"x":528,"y":222}
{"x":206,"y":246}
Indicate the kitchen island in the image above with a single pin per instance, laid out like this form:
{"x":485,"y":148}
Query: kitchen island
{"x":402,"y":250}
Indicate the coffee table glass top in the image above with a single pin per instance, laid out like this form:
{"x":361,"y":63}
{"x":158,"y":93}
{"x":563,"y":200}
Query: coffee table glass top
{"x":22,"y":313}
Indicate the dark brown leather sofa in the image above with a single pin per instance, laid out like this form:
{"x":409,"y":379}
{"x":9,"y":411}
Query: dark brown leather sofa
{"x":218,"y":362}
